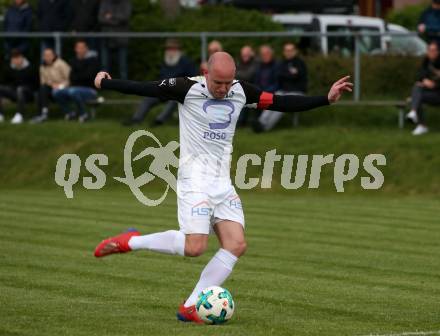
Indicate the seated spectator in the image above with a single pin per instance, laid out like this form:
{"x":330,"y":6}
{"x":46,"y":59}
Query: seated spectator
{"x":18,"y":18}
{"x":429,"y":22}
{"x":114,"y":16}
{"x":426,"y":89}
{"x":84,"y":68}
{"x":53,"y":16}
{"x":54,"y":75}
{"x":21,"y":82}
{"x":175,"y":64}
{"x":213,"y":47}
{"x":266,"y":78}
{"x":247,"y":65}
{"x":246,"y":69}
{"x":292,"y":80}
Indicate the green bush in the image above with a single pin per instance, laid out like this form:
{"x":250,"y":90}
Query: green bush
{"x":147,"y":17}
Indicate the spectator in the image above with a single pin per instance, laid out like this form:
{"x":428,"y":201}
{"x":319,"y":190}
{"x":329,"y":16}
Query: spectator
{"x":266,"y":78}
{"x":22,"y":82}
{"x":53,"y":16}
{"x":18,"y":18}
{"x":267,"y":73}
{"x":85,"y":18}
{"x":292,"y":76}
{"x":429,"y":22}
{"x":247,"y":65}
{"x":175,"y":64}
{"x":292,"y":80}
{"x":213,"y":47}
{"x":246,"y":70}
{"x":54,"y":75}
{"x":84,"y":68}
{"x":114,"y":16}
{"x":426,"y":89}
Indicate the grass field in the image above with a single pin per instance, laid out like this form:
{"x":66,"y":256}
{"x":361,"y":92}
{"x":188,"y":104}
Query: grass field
{"x":315,"y":266}
{"x":318,"y":263}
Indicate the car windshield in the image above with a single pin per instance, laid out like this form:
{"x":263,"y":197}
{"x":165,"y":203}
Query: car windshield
{"x":344,"y":45}
{"x":406,"y":45}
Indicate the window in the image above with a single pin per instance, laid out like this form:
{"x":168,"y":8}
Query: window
{"x":344,"y":45}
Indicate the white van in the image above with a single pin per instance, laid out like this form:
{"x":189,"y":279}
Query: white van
{"x":344,"y":45}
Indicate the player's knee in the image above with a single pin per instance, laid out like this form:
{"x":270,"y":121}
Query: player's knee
{"x":238,"y":248}
{"x":195,"y":249}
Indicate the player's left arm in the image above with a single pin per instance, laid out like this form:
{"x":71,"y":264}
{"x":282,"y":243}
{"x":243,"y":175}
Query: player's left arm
{"x":295,"y":103}
{"x":165,"y":89}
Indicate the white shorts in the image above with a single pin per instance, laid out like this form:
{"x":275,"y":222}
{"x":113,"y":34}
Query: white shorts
{"x":198,"y":211}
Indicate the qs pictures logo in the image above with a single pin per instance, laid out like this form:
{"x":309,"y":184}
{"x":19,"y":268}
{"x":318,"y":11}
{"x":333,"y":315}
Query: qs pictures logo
{"x":68,"y":169}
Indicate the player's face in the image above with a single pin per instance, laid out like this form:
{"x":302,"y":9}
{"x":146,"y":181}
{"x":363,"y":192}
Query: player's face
{"x":219,"y":83}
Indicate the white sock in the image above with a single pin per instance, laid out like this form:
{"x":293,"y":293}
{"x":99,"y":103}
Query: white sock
{"x":214,"y":273}
{"x":168,"y":242}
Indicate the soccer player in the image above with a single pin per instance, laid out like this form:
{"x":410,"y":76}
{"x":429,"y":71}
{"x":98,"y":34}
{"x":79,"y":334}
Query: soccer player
{"x":209,"y":107}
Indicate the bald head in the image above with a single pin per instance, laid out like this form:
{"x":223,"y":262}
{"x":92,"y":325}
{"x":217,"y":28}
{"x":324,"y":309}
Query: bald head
{"x":221,"y":61}
{"x":221,"y":73}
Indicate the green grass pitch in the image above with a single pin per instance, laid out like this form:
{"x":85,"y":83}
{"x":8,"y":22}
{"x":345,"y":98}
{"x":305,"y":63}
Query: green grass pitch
{"x":316,"y":265}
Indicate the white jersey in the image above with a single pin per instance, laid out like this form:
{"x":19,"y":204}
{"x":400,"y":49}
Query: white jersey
{"x":207,"y":128}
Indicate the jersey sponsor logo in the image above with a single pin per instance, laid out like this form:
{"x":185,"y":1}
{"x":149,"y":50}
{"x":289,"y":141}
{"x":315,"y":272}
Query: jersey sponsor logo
{"x":235,"y":202}
{"x":214,"y":135}
{"x":172,"y":81}
{"x":219,"y":112}
{"x":201,"y":209}
{"x":163,"y":83}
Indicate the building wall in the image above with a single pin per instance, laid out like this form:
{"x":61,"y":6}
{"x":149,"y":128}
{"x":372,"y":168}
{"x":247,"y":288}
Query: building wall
{"x":402,"y":3}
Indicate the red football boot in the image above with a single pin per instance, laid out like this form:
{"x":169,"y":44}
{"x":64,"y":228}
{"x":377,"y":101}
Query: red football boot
{"x":117,"y":244}
{"x":188,"y":314}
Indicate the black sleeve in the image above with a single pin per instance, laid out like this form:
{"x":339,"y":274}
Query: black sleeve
{"x":296,"y":103}
{"x":167,"y":89}
{"x":257,"y":98}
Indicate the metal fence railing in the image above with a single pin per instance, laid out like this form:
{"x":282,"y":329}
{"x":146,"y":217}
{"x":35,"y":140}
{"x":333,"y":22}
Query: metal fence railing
{"x":204,"y":37}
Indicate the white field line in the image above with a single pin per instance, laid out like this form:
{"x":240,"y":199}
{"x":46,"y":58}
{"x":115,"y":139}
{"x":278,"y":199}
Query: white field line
{"x":411,"y":333}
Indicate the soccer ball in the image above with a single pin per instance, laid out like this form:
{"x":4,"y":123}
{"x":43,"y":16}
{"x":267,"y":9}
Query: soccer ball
{"x":215,"y":305}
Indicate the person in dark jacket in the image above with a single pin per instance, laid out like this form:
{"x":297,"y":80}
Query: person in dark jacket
{"x":18,"y":18}
{"x":247,"y":67}
{"x":85,"y":19}
{"x":292,"y":80}
{"x":292,"y":76}
{"x":53,"y":16}
{"x":175,"y":64}
{"x":267,"y":73}
{"x":22,"y":81}
{"x":426,"y":89}
{"x":85,"y":15}
{"x":114,"y":16}
{"x":429,"y":22}
{"x":266,"y":78}
{"x":84,"y":67}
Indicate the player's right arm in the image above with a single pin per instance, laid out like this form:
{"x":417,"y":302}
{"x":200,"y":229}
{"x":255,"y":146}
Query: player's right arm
{"x":294,"y":103}
{"x":166,"y":89}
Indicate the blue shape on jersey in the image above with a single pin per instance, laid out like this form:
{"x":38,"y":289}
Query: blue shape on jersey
{"x":218,"y":102}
